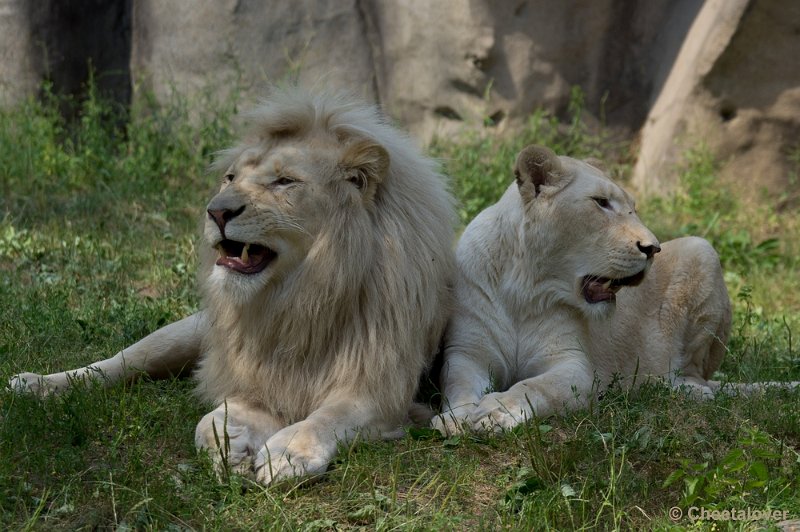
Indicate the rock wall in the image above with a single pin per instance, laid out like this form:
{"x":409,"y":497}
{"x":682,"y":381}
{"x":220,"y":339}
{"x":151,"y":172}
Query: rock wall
{"x":495,"y":62}
{"x":220,"y":46}
{"x":676,"y":70}
{"x":61,"y":41}
{"x":435,"y":66}
{"x":19,"y":73}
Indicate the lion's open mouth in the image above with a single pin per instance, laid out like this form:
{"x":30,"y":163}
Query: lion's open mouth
{"x":598,"y":289}
{"x":244,"y":258}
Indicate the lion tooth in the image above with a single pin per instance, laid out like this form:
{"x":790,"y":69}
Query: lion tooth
{"x":607,"y":284}
{"x":245,"y":256}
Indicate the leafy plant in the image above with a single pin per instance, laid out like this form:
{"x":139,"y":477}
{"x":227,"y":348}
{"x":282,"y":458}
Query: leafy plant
{"x":480,"y":164}
{"x":744,"y":472}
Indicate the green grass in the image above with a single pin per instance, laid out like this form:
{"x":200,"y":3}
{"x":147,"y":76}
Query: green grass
{"x":98,"y":229}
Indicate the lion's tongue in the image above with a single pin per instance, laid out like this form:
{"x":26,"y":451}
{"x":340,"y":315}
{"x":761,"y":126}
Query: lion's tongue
{"x":252,"y":258}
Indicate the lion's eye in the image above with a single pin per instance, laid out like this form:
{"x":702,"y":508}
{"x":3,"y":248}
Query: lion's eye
{"x":602,"y":202}
{"x":358,"y":181}
{"x":229,"y":178}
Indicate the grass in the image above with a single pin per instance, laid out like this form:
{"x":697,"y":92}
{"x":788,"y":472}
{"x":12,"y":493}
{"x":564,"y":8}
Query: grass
{"x":98,"y":228}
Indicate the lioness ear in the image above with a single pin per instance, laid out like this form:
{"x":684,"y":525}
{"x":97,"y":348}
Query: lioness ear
{"x":597,"y":163}
{"x":367,"y":163}
{"x":537,"y":166}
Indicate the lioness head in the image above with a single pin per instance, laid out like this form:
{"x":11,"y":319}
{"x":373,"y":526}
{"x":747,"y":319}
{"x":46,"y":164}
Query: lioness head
{"x":284,"y":192}
{"x":586,"y":224}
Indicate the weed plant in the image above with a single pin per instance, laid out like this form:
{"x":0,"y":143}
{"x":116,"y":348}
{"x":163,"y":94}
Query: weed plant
{"x":98,"y":228}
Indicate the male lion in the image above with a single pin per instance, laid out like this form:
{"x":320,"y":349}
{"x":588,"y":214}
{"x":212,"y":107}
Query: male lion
{"x":326,"y":285}
{"x":539,"y":275}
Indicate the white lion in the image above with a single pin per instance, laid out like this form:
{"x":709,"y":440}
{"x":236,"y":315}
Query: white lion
{"x":326,"y":289}
{"x":546,"y":314}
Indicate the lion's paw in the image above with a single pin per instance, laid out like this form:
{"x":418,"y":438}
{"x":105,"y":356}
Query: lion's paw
{"x":228,"y":446}
{"x":497,"y":412}
{"x":274,"y":464}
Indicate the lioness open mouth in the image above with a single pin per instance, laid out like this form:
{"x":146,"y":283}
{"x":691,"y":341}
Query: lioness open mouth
{"x":244,"y":258}
{"x":598,"y":289}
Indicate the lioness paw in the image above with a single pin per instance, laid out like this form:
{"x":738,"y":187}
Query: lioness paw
{"x":454,"y":421}
{"x":497,"y":412}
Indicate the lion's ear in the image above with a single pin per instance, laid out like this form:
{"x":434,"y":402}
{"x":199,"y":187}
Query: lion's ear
{"x":367,"y":162}
{"x":537,"y":166}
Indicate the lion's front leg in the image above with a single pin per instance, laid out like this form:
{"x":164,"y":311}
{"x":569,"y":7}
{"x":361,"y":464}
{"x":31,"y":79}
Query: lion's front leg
{"x":233,"y":433}
{"x":563,"y":387}
{"x":168,"y":351}
{"x":307,"y":447}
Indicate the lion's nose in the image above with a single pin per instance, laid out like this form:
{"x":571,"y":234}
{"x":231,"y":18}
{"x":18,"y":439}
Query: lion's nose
{"x":648,"y":249}
{"x":223,"y":216}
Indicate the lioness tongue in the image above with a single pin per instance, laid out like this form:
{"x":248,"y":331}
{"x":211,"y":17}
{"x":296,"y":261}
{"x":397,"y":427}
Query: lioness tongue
{"x":596,"y":291}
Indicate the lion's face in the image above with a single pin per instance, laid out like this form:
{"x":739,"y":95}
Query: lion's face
{"x":599,"y":243}
{"x":277,"y":200}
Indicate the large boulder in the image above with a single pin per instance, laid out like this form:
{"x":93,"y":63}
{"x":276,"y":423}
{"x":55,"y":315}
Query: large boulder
{"x":734,"y":88}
